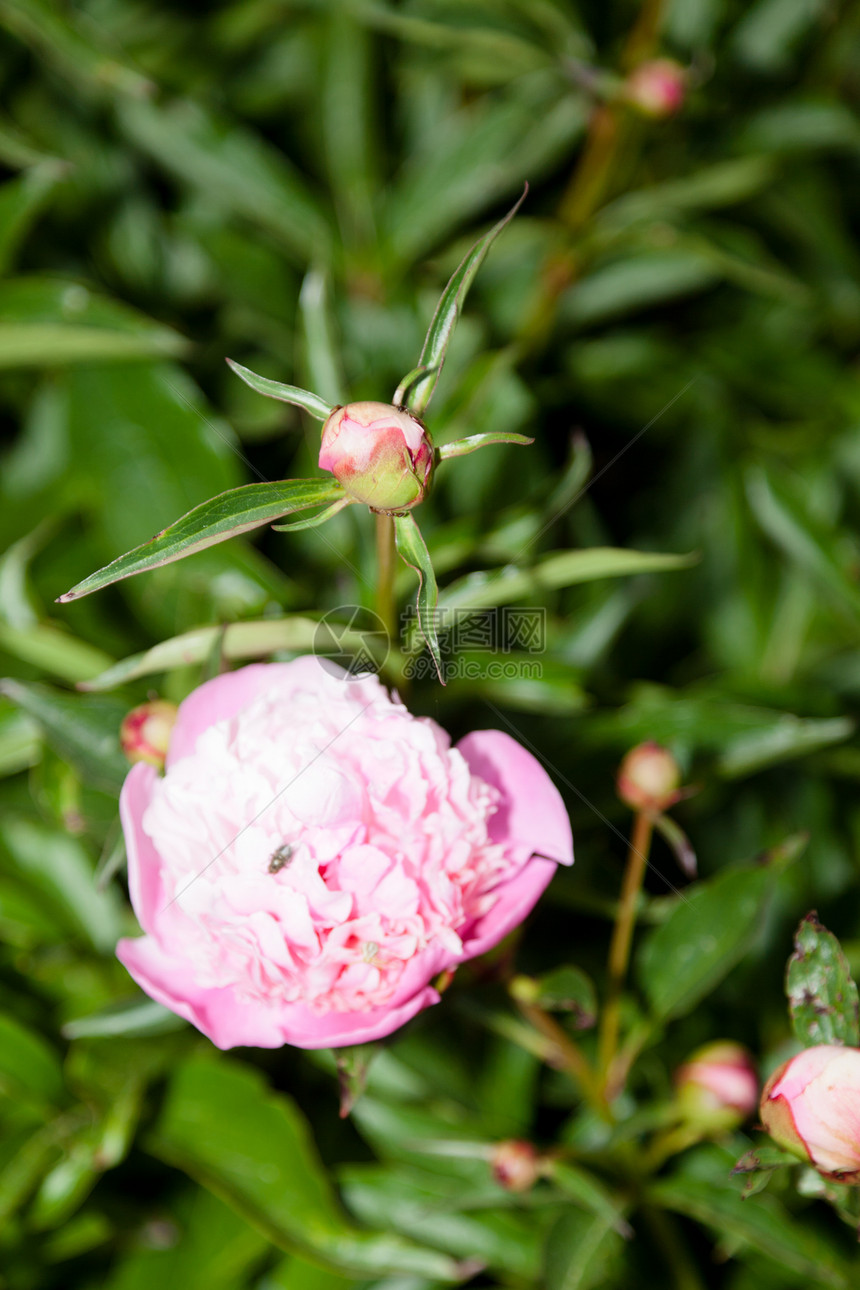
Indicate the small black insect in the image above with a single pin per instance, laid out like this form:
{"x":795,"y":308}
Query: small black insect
{"x":280,"y":858}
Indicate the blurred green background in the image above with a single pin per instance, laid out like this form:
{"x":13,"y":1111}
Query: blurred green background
{"x":290,"y":183}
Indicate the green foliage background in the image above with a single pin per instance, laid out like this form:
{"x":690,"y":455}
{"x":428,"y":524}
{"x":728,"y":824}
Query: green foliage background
{"x":290,"y":184}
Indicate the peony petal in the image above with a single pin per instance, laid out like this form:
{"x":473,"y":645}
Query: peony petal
{"x":225,"y":696}
{"x":144,"y":863}
{"x":516,"y":899}
{"x":531,"y":812}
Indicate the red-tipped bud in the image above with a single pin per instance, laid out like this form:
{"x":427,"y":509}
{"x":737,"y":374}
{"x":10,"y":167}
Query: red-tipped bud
{"x":145,"y":732}
{"x":381,"y":455}
{"x":810,"y":1106}
{"x":516,"y":1164}
{"x":717,"y":1086}
{"x":656,"y":88}
{"x":649,"y":778}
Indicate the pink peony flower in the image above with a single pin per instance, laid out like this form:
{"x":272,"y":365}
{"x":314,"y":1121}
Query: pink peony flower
{"x":381,"y":455}
{"x":315,"y":855}
{"x":811,"y":1107}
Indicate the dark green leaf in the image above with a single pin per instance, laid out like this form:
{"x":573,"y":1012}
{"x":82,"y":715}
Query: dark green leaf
{"x":83,"y":731}
{"x":222,"y":517}
{"x":822,"y":996}
{"x":253,"y":1149}
{"x":706,"y":934}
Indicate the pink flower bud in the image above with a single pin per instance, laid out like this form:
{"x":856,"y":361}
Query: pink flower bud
{"x":516,"y":1164}
{"x":657,"y":88}
{"x":145,"y":732}
{"x":717,"y":1085}
{"x":380,"y":454}
{"x":810,"y":1106}
{"x":649,"y":778}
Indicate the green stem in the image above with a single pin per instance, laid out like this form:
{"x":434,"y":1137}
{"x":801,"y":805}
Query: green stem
{"x":668,"y":1237}
{"x":385,"y":555}
{"x":566,"y":1055}
{"x":619,"y":950}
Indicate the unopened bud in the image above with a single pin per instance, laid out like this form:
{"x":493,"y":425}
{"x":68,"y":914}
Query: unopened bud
{"x":717,"y":1086}
{"x":516,"y":1164}
{"x":656,"y":88}
{"x":381,"y":455}
{"x":810,"y":1106}
{"x":145,"y":732}
{"x":649,"y":778}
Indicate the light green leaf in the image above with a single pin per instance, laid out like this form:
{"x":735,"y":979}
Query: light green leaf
{"x":21,"y":200}
{"x":237,"y":511}
{"x":235,"y":641}
{"x":559,"y":569}
{"x":311,"y":403}
{"x":20,"y":743}
{"x":578,"y":1251}
{"x":788,"y":737}
{"x":413,"y":550}
{"x":253,"y":1148}
{"x":51,"y":649}
{"x":315,"y":520}
{"x":138,"y":1017}
{"x":461,"y":447}
{"x":822,"y":996}
{"x":448,"y":311}
{"x":321,"y":356}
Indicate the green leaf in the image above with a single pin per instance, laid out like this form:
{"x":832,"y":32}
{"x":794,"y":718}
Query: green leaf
{"x":764,"y":1158}
{"x":707,"y":933}
{"x":578,"y":1251}
{"x":559,"y":569}
{"x":30,"y":1070}
{"x":448,"y":311}
{"x":59,"y":868}
{"x":353,"y":1065}
{"x":321,"y":357}
{"x":590,"y":1194}
{"x":234,"y":170}
{"x":311,"y":403}
{"x":54,"y":650}
{"x":788,"y":737}
{"x":83,"y":731}
{"x":809,"y":545}
{"x":413,"y":551}
{"x":21,"y":200}
{"x":822,"y":995}
{"x":48,"y":322}
{"x":253,"y":1148}
{"x":759,"y":1222}
{"x":139,"y":1017}
{"x":20,"y":744}
{"x":462,"y":447}
{"x":237,"y":511}
{"x":315,"y":520}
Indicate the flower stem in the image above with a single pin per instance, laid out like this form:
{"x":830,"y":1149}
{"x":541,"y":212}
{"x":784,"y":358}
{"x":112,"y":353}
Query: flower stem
{"x":565,"y":1054}
{"x":385,"y":576}
{"x":619,"y":950}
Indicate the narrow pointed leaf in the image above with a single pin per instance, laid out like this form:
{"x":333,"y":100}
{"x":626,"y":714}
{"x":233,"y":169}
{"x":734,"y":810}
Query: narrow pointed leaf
{"x":315,"y":519}
{"x":236,"y":511}
{"x":408,"y":383}
{"x":311,"y":403}
{"x":677,"y":839}
{"x":448,"y":311}
{"x":462,"y":447}
{"x":413,"y":551}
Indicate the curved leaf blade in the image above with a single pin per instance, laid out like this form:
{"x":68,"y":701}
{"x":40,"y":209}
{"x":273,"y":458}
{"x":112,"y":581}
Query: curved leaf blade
{"x":413,"y":551}
{"x":237,"y":511}
{"x":448,"y":311}
{"x":315,"y":519}
{"x":311,"y":403}
{"x":462,"y":447}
